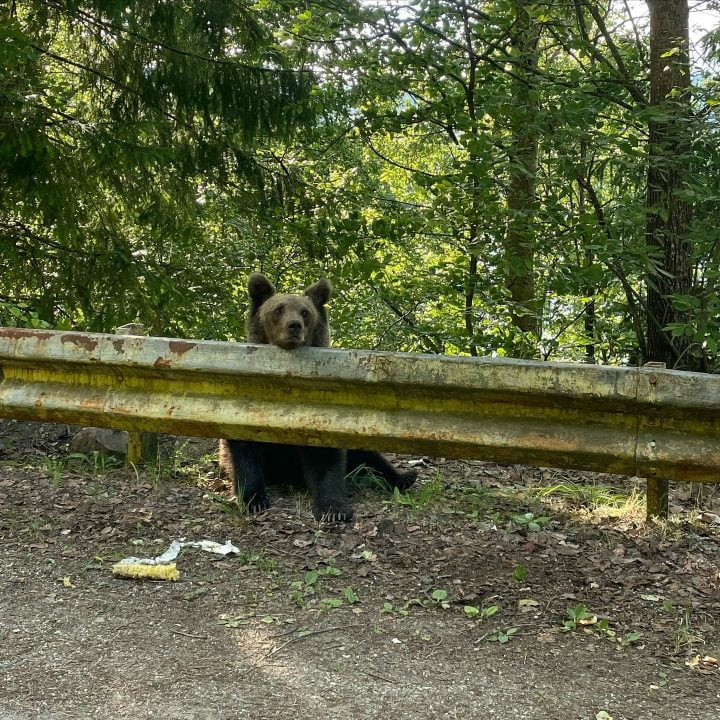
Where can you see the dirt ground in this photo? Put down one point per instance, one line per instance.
(484, 592)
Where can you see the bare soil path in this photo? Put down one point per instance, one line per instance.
(485, 592)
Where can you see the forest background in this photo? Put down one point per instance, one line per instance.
(529, 179)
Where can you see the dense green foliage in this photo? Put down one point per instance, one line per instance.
(472, 176)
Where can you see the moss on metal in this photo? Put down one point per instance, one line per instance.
(634, 421)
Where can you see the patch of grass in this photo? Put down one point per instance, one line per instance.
(257, 560)
(391, 609)
(54, 467)
(12, 463)
(301, 591)
(601, 500)
(160, 475)
(604, 630)
(179, 465)
(97, 461)
(427, 494)
(234, 507)
(306, 591)
(33, 527)
(364, 477)
(686, 637)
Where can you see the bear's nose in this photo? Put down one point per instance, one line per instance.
(295, 326)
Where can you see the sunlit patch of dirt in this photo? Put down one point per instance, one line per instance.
(485, 591)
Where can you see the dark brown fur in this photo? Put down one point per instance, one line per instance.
(293, 321)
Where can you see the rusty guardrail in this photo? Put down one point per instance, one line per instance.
(659, 424)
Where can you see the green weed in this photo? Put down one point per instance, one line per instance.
(427, 494)
(97, 461)
(54, 468)
(503, 636)
(534, 523)
(476, 613)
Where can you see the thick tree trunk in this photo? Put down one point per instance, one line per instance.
(521, 197)
(669, 216)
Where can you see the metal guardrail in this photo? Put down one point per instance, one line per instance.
(659, 424)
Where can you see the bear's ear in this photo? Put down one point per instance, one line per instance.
(259, 289)
(319, 293)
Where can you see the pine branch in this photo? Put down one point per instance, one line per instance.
(145, 40)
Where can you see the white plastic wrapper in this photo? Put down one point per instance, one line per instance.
(176, 545)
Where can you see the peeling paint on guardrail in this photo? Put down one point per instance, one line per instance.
(659, 424)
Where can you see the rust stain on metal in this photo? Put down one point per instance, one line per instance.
(179, 347)
(574, 417)
(18, 333)
(381, 366)
(82, 341)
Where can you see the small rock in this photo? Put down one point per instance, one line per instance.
(386, 527)
(93, 439)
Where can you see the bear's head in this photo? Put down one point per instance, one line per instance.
(288, 321)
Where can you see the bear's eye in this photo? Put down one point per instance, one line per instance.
(278, 311)
(304, 313)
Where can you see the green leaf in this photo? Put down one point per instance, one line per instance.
(519, 573)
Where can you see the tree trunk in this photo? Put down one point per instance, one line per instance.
(519, 251)
(669, 216)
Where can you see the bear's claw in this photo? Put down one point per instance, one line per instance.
(258, 504)
(333, 513)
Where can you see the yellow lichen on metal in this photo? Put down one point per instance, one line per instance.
(627, 420)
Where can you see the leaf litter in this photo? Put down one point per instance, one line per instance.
(406, 573)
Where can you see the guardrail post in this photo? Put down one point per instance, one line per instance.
(142, 446)
(657, 487)
(657, 497)
(662, 425)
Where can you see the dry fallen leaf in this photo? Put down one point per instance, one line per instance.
(527, 602)
(591, 620)
(709, 517)
(705, 664)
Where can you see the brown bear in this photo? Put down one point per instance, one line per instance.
(293, 321)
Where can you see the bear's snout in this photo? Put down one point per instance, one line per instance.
(293, 332)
